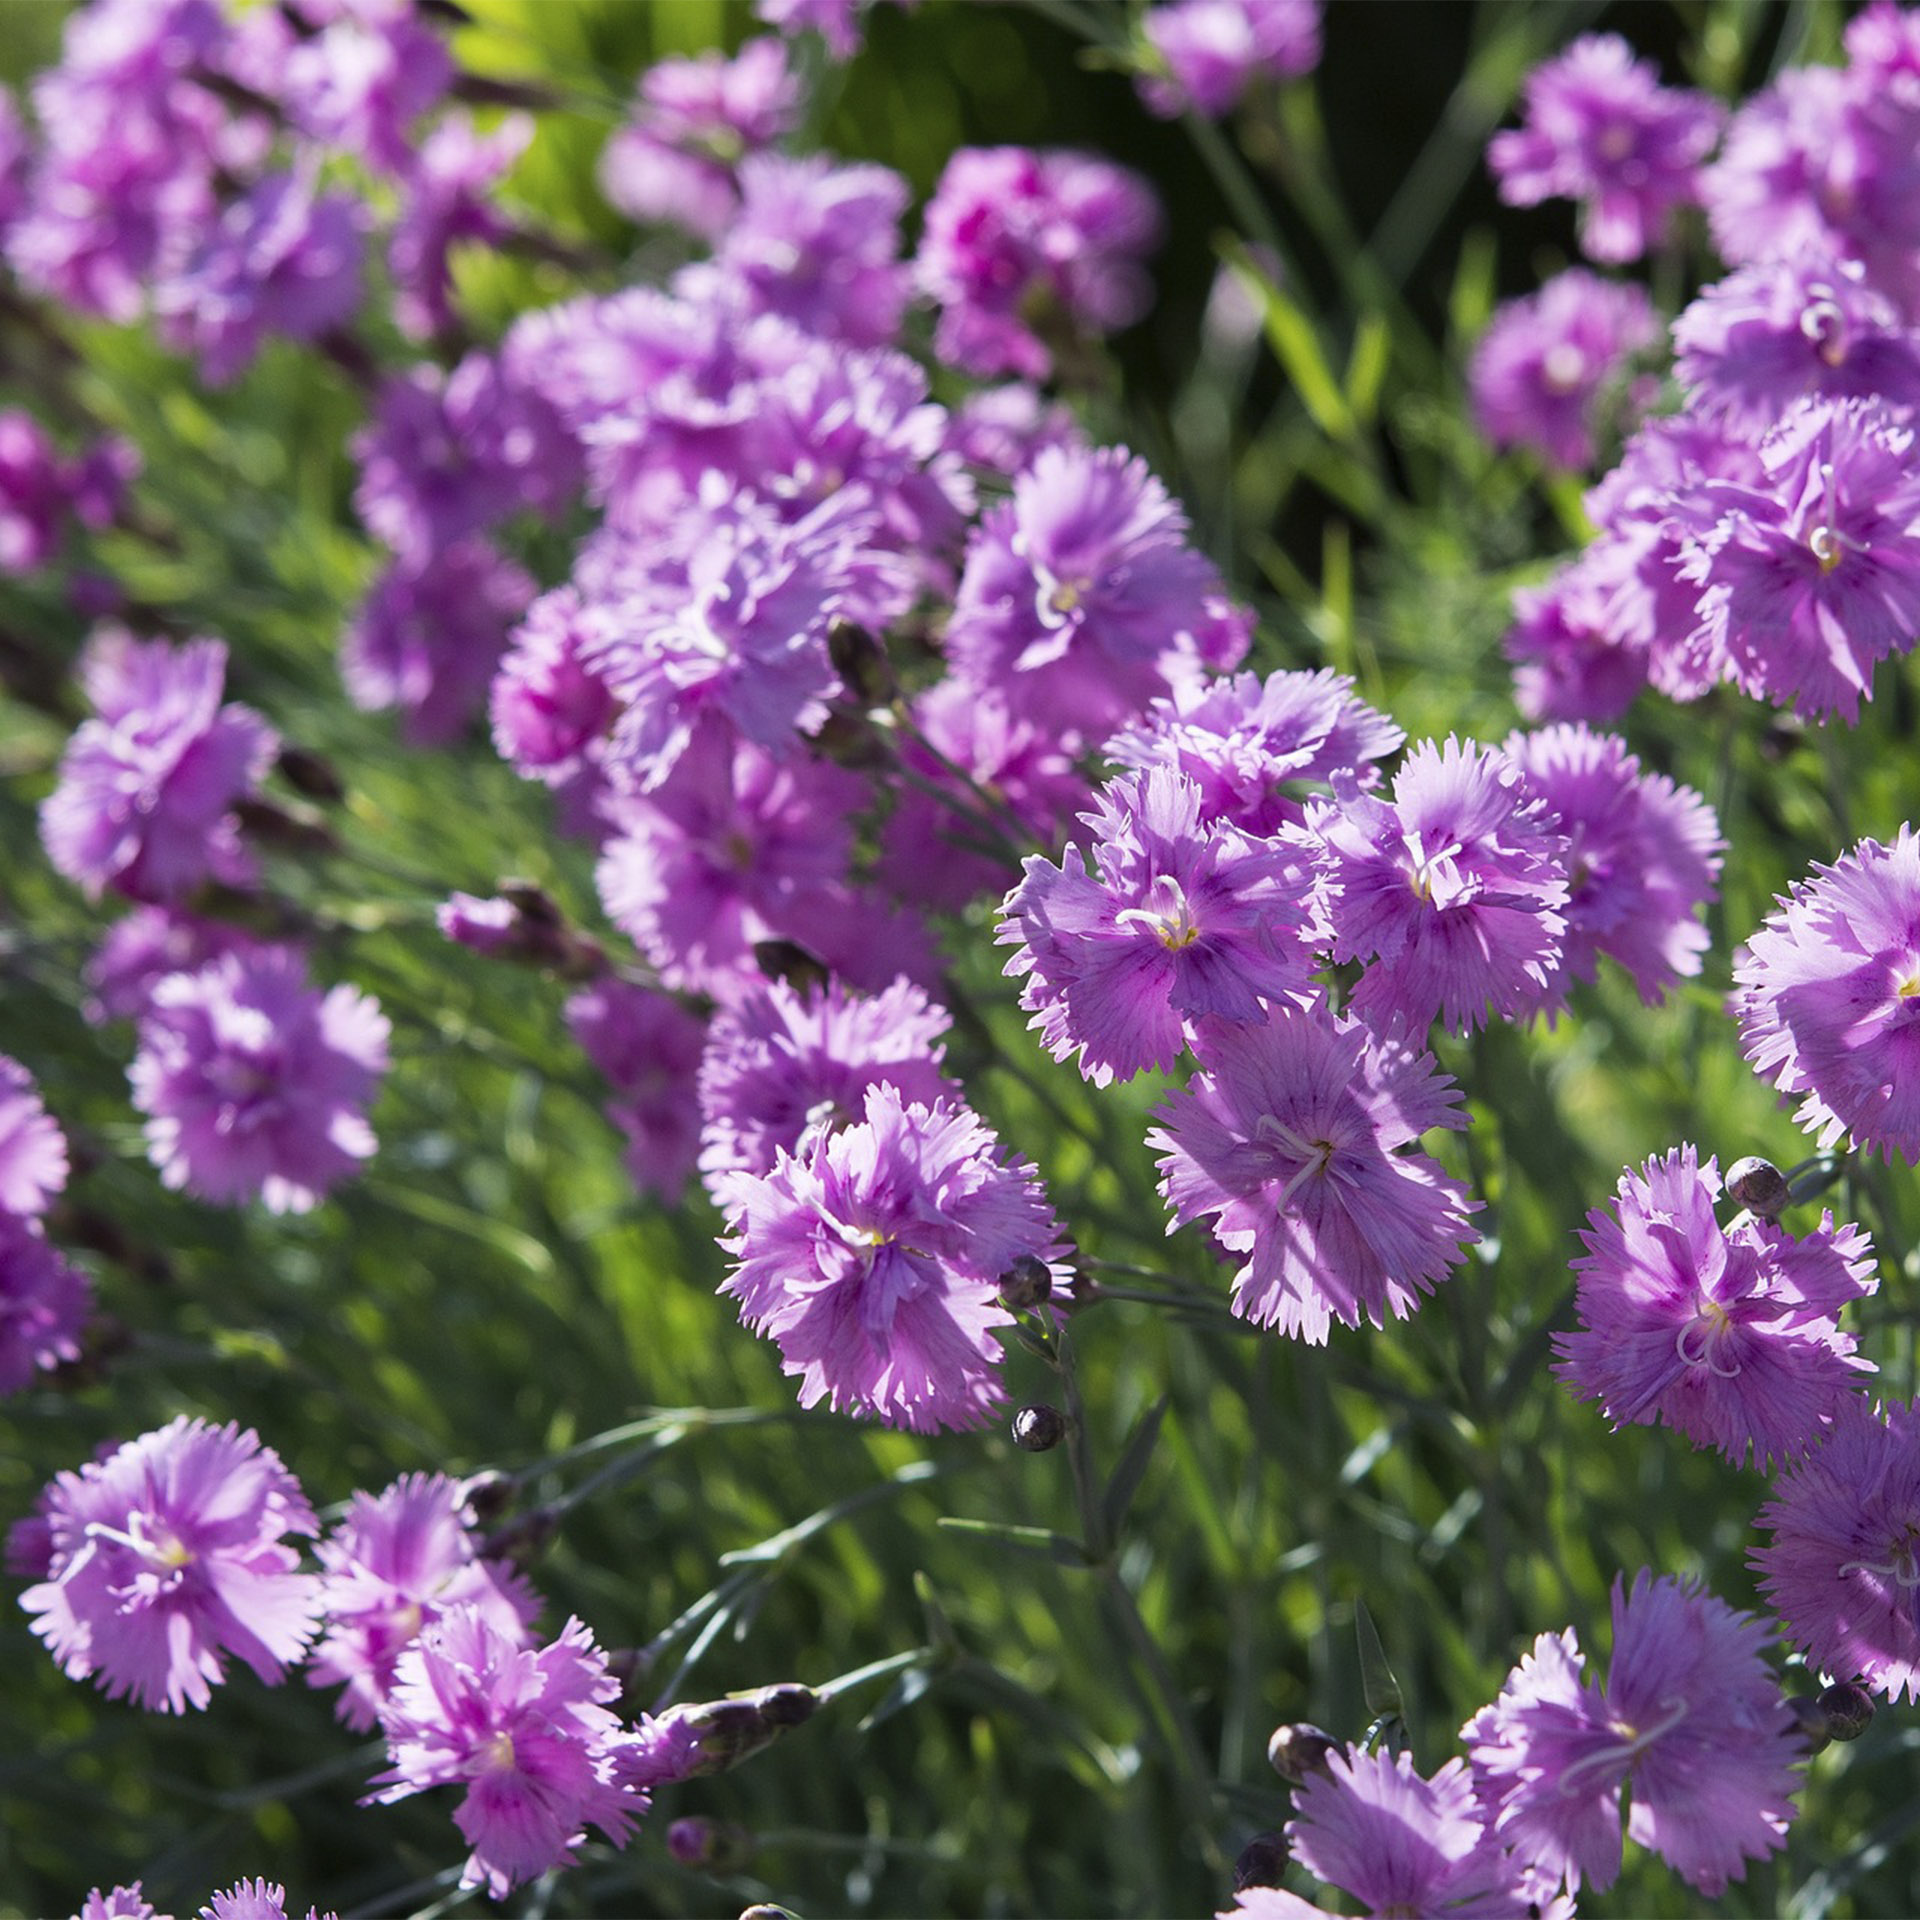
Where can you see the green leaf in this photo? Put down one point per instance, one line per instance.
(1377, 1683)
(1040, 1540)
(1132, 1466)
(1290, 334)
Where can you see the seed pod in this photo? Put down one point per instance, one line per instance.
(1038, 1428)
(1759, 1186)
(1262, 1863)
(1849, 1710)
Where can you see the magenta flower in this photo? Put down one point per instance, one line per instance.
(1840, 1564)
(526, 1731)
(1213, 50)
(1828, 998)
(1455, 890)
(254, 1084)
(1691, 1722)
(872, 1260)
(252, 1900)
(361, 82)
(1601, 129)
(445, 203)
(1290, 1140)
(121, 1903)
(548, 707)
(44, 1303)
(1547, 364)
(1178, 921)
(1730, 1334)
(1575, 657)
(147, 787)
(779, 1064)
(648, 1048)
(397, 1563)
(33, 1150)
(168, 1555)
(146, 945)
(1643, 857)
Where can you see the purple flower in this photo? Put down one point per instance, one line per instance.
(147, 787)
(647, 1048)
(361, 81)
(548, 706)
(1004, 428)
(1177, 922)
(397, 1563)
(444, 203)
(122, 1903)
(1290, 1141)
(1729, 1334)
(167, 1555)
(142, 949)
(33, 1150)
(1244, 740)
(1601, 129)
(526, 1731)
(1010, 233)
(44, 1303)
(1081, 600)
(873, 1258)
(256, 1085)
(1841, 1563)
(1546, 364)
(1643, 856)
(1456, 889)
(1214, 50)
(1691, 1721)
(840, 23)
(1828, 998)
(1574, 656)
(252, 1900)
(1811, 578)
(33, 493)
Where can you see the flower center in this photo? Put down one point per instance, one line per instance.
(1563, 368)
(1827, 547)
(1700, 1341)
(1616, 142)
(1167, 914)
(1824, 327)
(163, 1550)
(497, 1755)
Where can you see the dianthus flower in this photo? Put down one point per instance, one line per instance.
(1810, 579)
(147, 787)
(840, 23)
(1546, 363)
(252, 1900)
(169, 1554)
(526, 1731)
(43, 1305)
(1244, 740)
(647, 1047)
(1290, 1141)
(1841, 1566)
(548, 707)
(1178, 921)
(1729, 1334)
(872, 1261)
(1010, 231)
(779, 1063)
(118, 1903)
(444, 202)
(1455, 890)
(142, 948)
(1081, 599)
(256, 1085)
(35, 486)
(1691, 1721)
(1574, 657)
(361, 82)
(394, 1565)
(1643, 856)
(1213, 50)
(33, 1150)
(1828, 998)
(1601, 129)
(1004, 428)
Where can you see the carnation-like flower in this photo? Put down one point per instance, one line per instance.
(1574, 656)
(1730, 1334)
(526, 1731)
(1601, 129)
(1454, 891)
(141, 948)
(397, 1563)
(1828, 998)
(118, 1903)
(1290, 1142)
(444, 204)
(1691, 1721)
(147, 787)
(33, 1150)
(252, 1900)
(256, 1085)
(167, 1556)
(873, 1260)
(648, 1048)
(1214, 50)
(1842, 1563)
(43, 1305)
(1177, 921)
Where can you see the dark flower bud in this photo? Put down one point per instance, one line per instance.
(1262, 1863)
(765, 1910)
(1026, 1283)
(1811, 1720)
(282, 827)
(1299, 1749)
(521, 1542)
(861, 662)
(1036, 1429)
(717, 1845)
(310, 774)
(850, 739)
(486, 1495)
(1759, 1186)
(789, 961)
(787, 1705)
(1849, 1710)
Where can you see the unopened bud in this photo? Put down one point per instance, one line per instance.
(521, 1542)
(1759, 1186)
(727, 1731)
(789, 961)
(310, 774)
(717, 1845)
(1026, 1283)
(486, 1495)
(1849, 1710)
(277, 826)
(1262, 1863)
(765, 1910)
(861, 663)
(787, 1704)
(1037, 1429)
(1299, 1749)
(1811, 1720)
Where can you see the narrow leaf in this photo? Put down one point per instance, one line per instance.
(1132, 1466)
(1377, 1682)
(1040, 1540)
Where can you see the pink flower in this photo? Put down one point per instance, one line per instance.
(33, 1150)
(43, 1305)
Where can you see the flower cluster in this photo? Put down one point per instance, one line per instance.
(44, 1298)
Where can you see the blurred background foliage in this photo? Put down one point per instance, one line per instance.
(1075, 1739)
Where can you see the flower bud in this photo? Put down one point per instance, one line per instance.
(1811, 1720)
(765, 1910)
(787, 1704)
(486, 1495)
(310, 775)
(861, 662)
(1299, 1749)
(1262, 1863)
(1759, 1186)
(716, 1845)
(1849, 1710)
(788, 960)
(1036, 1429)
(1026, 1283)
